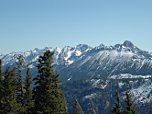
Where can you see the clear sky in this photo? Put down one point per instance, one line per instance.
(29, 24)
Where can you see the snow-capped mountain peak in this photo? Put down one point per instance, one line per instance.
(120, 58)
(128, 44)
(97, 65)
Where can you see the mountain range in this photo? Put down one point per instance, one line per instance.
(92, 74)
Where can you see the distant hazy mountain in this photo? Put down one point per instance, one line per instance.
(85, 62)
(95, 72)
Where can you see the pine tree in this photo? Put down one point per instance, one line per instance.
(0, 69)
(1, 88)
(130, 109)
(77, 108)
(48, 97)
(28, 104)
(20, 61)
(10, 105)
(117, 109)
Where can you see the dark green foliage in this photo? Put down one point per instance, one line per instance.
(0, 69)
(28, 104)
(77, 108)
(118, 108)
(1, 87)
(19, 63)
(48, 97)
(9, 103)
(130, 108)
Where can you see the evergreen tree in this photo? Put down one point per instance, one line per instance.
(130, 109)
(77, 108)
(48, 97)
(20, 61)
(0, 69)
(28, 104)
(9, 104)
(1, 88)
(118, 108)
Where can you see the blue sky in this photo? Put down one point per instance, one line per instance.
(29, 24)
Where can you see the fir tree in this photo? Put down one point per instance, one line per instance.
(10, 105)
(48, 97)
(77, 108)
(19, 63)
(0, 69)
(117, 109)
(28, 104)
(130, 109)
(1, 88)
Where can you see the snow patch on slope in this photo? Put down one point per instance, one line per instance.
(143, 93)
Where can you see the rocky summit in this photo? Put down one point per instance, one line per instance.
(93, 74)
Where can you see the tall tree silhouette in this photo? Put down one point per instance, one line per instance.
(117, 109)
(48, 96)
(28, 104)
(130, 108)
(10, 105)
(20, 61)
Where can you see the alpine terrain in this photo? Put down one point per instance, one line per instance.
(93, 74)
